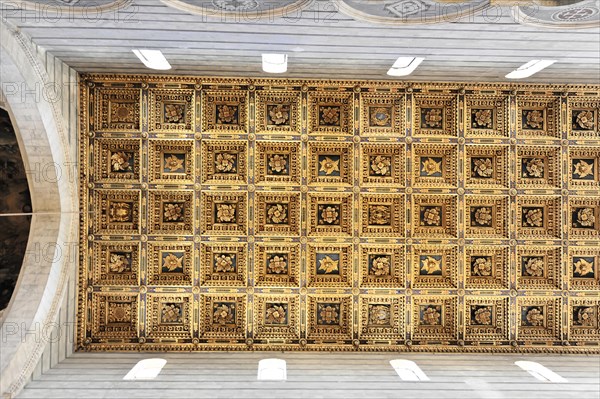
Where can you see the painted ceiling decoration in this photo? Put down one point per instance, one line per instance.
(411, 11)
(237, 214)
(251, 9)
(563, 14)
(15, 200)
(560, 14)
(551, 13)
(47, 8)
(580, 14)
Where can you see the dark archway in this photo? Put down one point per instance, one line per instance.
(15, 209)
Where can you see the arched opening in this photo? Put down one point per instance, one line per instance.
(15, 209)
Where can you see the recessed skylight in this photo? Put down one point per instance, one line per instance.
(147, 369)
(153, 59)
(274, 63)
(540, 372)
(408, 370)
(404, 66)
(272, 370)
(530, 68)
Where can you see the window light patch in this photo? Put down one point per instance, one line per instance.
(404, 66)
(147, 369)
(153, 59)
(529, 69)
(274, 63)
(540, 372)
(272, 370)
(408, 370)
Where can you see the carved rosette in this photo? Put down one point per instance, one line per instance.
(382, 114)
(330, 317)
(539, 318)
(538, 117)
(435, 115)
(435, 165)
(330, 113)
(538, 267)
(486, 267)
(538, 167)
(434, 266)
(486, 166)
(434, 318)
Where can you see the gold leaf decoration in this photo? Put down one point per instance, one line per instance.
(433, 117)
(118, 263)
(534, 217)
(279, 114)
(329, 314)
(278, 163)
(381, 164)
(277, 265)
(173, 163)
(120, 211)
(432, 216)
(586, 317)
(328, 265)
(379, 315)
(226, 114)
(225, 162)
(535, 167)
(329, 215)
(483, 167)
(225, 213)
(431, 265)
(380, 266)
(585, 119)
(275, 315)
(535, 119)
(431, 316)
(483, 216)
(583, 267)
(583, 169)
(224, 264)
(120, 161)
(330, 115)
(277, 214)
(482, 267)
(329, 165)
(171, 313)
(483, 316)
(379, 214)
(380, 117)
(173, 212)
(171, 262)
(534, 267)
(585, 217)
(431, 167)
(483, 118)
(535, 317)
(174, 113)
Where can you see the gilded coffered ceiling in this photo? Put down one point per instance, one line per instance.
(338, 215)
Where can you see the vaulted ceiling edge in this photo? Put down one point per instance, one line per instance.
(238, 214)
